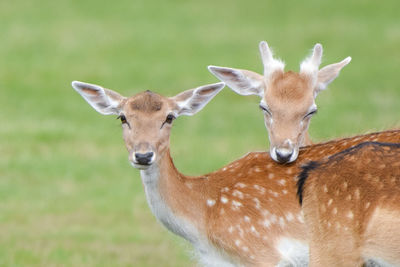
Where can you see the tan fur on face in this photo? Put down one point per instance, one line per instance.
(288, 87)
(146, 113)
(147, 102)
(289, 98)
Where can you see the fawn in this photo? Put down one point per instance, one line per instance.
(287, 98)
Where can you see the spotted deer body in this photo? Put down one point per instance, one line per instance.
(244, 214)
(287, 98)
(351, 206)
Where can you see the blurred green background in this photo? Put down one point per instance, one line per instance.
(68, 196)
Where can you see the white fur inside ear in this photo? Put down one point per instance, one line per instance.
(96, 96)
(242, 82)
(329, 73)
(198, 99)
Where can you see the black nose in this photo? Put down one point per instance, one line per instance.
(283, 157)
(144, 159)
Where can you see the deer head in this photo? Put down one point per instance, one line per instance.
(146, 117)
(287, 98)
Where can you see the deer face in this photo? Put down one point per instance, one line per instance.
(287, 98)
(288, 105)
(147, 117)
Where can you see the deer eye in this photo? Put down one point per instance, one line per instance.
(266, 110)
(169, 118)
(310, 113)
(123, 120)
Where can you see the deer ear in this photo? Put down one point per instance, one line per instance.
(327, 74)
(243, 82)
(104, 101)
(192, 101)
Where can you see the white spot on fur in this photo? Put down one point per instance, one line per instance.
(210, 202)
(247, 219)
(266, 223)
(254, 231)
(224, 200)
(344, 185)
(282, 182)
(284, 191)
(265, 213)
(350, 215)
(237, 242)
(275, 194)
(325, 188)
(271, 175)
(237, 193)
(258, 169)
(330, 202)
(240, 185)
(289, 217)
(230, 229)
(236, 205)
(357, 194)
(225, 189)
(334, 211)
(241, 232)
(257, 203)
(259, 188)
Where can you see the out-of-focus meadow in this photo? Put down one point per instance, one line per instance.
(68, 196)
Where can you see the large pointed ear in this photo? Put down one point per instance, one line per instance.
(192, 101)
(103, 100)
(329, 73)
(243, 82)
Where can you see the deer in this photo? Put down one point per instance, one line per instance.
(351, 205)
(287, 98)
(243, 214)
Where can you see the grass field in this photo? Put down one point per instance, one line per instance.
(68, 196)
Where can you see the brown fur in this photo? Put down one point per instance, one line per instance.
(243, 209)
(147, 102)
(289, 86)
(274, 186)
(351, 206)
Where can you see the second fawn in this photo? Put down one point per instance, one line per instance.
(287, 98)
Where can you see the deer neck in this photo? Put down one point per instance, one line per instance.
(174, 201)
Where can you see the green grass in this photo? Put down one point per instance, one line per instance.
(68, 196)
